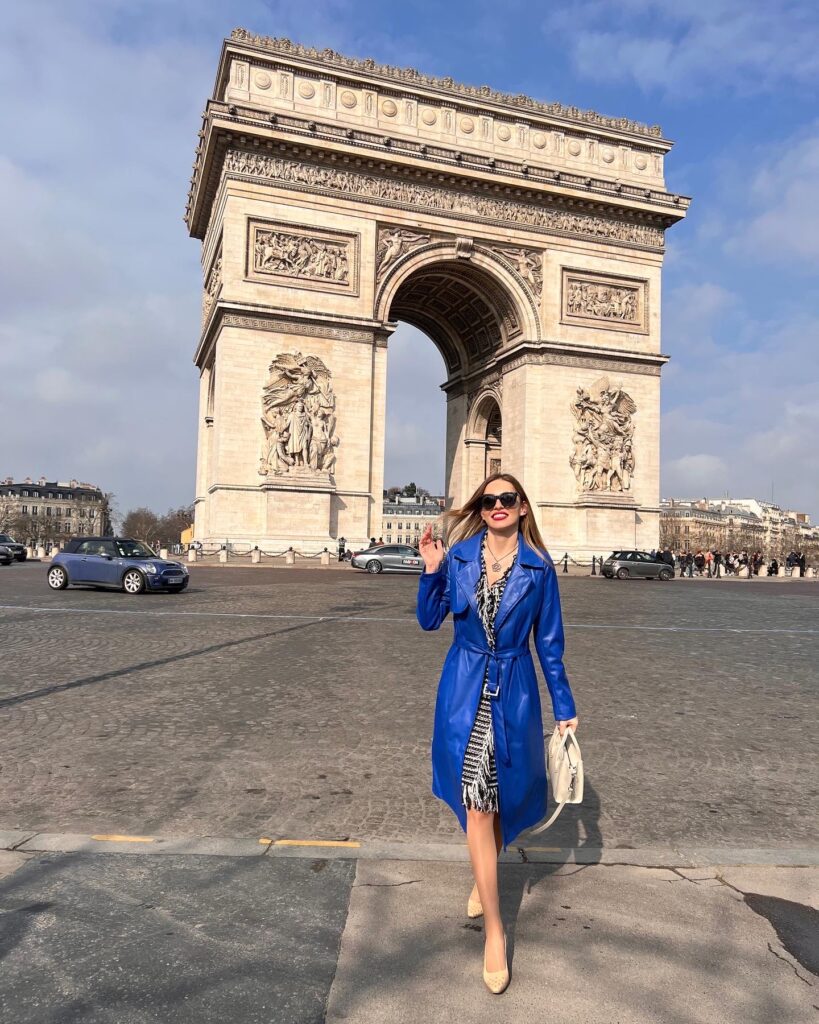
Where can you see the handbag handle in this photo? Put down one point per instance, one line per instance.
(571, 754)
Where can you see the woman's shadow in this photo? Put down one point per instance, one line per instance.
(574, 840)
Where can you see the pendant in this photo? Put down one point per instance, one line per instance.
(496, 567)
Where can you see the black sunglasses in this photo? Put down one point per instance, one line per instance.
(508, 500)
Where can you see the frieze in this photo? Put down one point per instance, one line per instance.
(282, 326)
(411, 76)
(309, 257)
(602, 300)
(607, 364)
(429, 198)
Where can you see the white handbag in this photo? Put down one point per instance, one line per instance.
(565, 772)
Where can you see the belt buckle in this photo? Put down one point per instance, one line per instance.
(490, 693)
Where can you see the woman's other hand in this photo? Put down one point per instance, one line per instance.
(432, 551)
(570, 723)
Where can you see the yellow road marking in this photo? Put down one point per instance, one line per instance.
(124, 839)
(310, 842)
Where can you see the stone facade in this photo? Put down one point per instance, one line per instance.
(334, 197)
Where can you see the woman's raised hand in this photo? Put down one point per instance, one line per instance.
(432, 551)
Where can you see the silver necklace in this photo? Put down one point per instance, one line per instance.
(497, 563)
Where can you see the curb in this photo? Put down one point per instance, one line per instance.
(671, 857)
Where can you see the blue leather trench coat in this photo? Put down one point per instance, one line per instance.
(530, 602)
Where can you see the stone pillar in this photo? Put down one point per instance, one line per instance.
(223, 555)
(325, 558)
(163, 552)
(255, 556)
(41, 552)
(796, 572)
(290, 557)
(192, 554)
(31, 552)
(720, 570)
(781, 570)
(743, 572)
(810, 572)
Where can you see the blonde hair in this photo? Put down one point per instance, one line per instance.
(462, 523)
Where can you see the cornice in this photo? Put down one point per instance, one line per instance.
(253, 125)
(287, 321)
(412, 78)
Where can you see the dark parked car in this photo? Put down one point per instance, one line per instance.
(389, 558)
(6, 555)
(638, 564)
(18, 550)
(117, 562)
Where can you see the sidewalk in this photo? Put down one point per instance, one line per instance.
(281, 935)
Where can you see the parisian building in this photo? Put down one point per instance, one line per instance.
(42, 510)
(734, 523)
(405, 517)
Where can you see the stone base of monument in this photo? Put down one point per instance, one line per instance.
(255, 556)
(325, 558)
(290, 558)
(192, 555)
(223, 555)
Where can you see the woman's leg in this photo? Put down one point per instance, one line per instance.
(481, 832)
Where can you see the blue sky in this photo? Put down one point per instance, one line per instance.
(100, 285)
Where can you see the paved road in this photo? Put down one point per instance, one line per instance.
(298, 703)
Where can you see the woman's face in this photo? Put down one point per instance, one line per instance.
(500, 519)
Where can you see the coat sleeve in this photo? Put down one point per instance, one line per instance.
(548, 628)
(432, 606)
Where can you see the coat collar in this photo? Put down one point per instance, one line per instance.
(520, 582)
(469, 550)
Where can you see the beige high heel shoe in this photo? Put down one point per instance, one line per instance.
(496, 981)
(474, 907)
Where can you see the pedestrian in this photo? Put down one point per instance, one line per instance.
(709, 561)
(372, 542)
(488, 764)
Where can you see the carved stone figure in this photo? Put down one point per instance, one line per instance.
(293, 255)
(602, 302)
(211, 288)
(528, 264)
(603, 457)
(393, 243)
(298, 416)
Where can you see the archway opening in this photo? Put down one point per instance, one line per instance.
(453, 318)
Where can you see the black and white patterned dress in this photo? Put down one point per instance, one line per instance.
(479, 779)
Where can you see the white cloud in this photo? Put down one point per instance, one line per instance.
(748, 45)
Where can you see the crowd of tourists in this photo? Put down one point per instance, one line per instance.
(713, 562)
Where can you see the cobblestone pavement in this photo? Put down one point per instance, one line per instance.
(298, 703)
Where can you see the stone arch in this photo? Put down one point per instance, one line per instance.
(480, 274)
(484, 432)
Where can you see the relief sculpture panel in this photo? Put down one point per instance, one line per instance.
(603, 439)
(310, 258)
(601, 300)
(298, 419)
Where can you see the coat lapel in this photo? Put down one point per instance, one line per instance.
(520, 580)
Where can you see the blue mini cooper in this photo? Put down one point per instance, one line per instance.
(115, 562)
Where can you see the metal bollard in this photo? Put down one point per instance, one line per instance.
(566, 562)
(594, 566)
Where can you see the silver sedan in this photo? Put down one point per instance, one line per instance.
(389, 558)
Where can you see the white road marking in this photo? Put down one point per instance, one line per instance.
(382, 618)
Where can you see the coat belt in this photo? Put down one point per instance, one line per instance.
(499, 664)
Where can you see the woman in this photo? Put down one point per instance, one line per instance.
(488, 757)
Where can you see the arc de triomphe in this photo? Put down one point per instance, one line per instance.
(335, 197)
